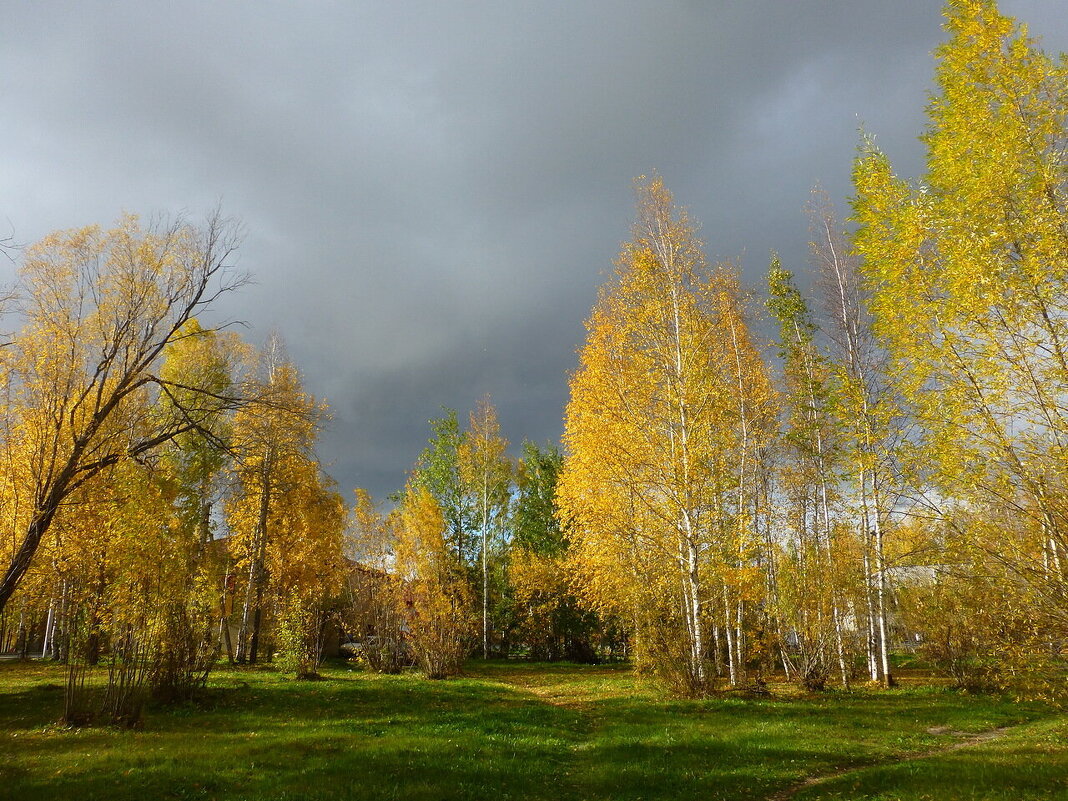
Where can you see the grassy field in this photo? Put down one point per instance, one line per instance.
(520, 731)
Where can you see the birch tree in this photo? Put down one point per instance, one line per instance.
(654, 433)
(437, 596)
(969, 269)
(871, 422)
(811, 436)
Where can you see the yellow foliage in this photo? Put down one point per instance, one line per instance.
(970, 285)
(670, 403)
(438, 600)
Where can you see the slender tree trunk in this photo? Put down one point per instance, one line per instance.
(21, 641)
(205, 523)
(250, 614)
(732, 657)
(697, 651)
(685, 594)
(843, 665)
(224, 618)
(870, 624)
(227, 640)
(771, 577)
(788, 672)
(743, 463)
(880, 570)
(61, 642)
(869, 596)
(485, 566)
(717, 650)
(257, 616)
(261, 579)
(50, 621)
(851, 315)
(696, 639)
(36, 529)
(246, 612)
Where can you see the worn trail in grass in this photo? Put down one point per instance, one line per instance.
(1028, 761)
(511, 731)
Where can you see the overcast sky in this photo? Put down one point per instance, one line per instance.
(433, 191)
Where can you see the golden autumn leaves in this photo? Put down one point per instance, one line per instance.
(669, 407)
(969, 279)
(726, 525)
(921, 429)
(125, 423)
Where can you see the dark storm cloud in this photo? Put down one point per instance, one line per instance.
(432, 192)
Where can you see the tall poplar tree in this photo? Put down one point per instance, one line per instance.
(487, 474)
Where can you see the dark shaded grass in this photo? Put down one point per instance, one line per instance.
(504, 731)
(260, 736)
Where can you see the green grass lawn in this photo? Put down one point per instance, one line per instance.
(521, 731)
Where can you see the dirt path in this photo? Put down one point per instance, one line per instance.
(968, 741)
(564, 688)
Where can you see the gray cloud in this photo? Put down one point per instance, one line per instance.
(433, 191)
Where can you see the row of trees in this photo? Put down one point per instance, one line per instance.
(472, 554)
(968, 272)
(910, 460)
(165, 506)
(897, 471)
(896, 474)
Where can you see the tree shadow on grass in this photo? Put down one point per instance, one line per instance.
(350, 738)
(31, 708)
(746, 748)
